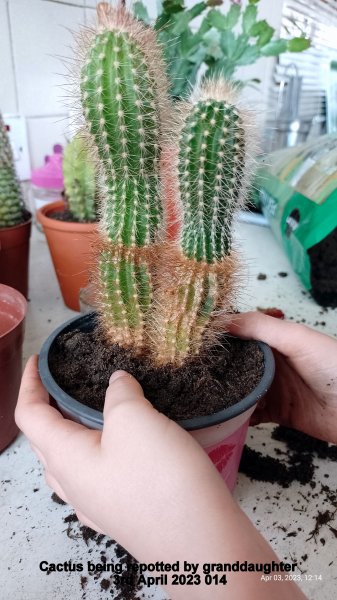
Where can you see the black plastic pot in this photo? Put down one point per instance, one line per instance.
(94, 419)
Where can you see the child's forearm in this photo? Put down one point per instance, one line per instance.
(212, 530)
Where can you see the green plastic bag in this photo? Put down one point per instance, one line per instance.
(298, 194)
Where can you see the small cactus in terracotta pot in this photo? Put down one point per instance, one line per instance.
(12, 210)
(15, 221)
(80, 181)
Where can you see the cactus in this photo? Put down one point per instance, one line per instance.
(161, 295)
(11, 201)
(197, 281)
(80, 180)
(123, 92)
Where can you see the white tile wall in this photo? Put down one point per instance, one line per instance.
(43, 133)
(41, 33)
(8, 100)
(90, 16)
(32, 36)
(34, 33)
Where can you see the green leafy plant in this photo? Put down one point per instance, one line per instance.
(80, 180)
(161, 294)
(12, 210)
(222, 42)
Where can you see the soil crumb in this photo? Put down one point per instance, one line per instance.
(295, 465)
(55, 498)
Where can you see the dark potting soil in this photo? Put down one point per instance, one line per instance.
(82, 363)
(295, 465)
(55, 498)
(26, 215)
(122, 589)
(67, 215)
(323, 259)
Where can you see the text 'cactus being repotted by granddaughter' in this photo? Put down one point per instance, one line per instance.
(15, 221)
(70, 224)
(162, 299)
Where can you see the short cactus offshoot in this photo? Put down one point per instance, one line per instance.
(197, 283)
(158, 296)
(12, 209)
(80, 180)
(123, 92)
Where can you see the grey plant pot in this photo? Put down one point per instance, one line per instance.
(94, 419)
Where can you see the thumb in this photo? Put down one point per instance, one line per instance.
(122, 388)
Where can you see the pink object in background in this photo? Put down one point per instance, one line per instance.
(50, 176)
(47, 182)
(224, 444)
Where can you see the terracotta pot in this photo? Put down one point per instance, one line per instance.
(14, 256)
(222, 435)
(13, 308)
(70, 246)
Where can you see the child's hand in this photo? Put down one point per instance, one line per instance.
(304, 392)
(140, 454)
(144, 481)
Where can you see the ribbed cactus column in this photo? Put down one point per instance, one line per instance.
(11, 201)
(80, 180)
(123, 90)
(211, 168)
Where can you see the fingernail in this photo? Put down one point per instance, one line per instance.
(116, 375)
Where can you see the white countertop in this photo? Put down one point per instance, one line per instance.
(32, 527)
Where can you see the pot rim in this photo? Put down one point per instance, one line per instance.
(47, 222)
(18, 298)
(96, 417)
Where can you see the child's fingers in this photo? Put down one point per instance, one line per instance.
(127, 411)
(33, 413)
(43, 425)
(287, 338)
(122, 388)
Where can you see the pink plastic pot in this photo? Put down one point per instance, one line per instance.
(13, 308)
(224, 444)
(222, 434)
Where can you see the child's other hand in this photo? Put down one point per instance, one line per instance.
(304, 392)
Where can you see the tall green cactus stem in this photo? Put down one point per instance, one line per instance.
(124, 93)
(80, 180)
(211, 170)
(11, 201)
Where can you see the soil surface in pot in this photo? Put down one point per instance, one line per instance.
(81, 364)
(67, 215)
